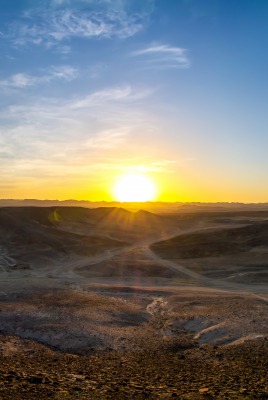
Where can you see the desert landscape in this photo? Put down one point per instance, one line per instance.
(106, 303)
(133, 200)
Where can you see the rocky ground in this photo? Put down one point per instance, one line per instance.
(135, 345)
(166, 370)
(119, 322)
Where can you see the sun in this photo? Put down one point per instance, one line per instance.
(134, 188)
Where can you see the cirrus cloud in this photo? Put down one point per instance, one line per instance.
(22, 80)
(164, 56)
(43, 27)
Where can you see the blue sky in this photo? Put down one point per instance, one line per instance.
(176, 89)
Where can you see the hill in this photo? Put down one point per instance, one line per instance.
(43, 235)
(33, 236)
(213, 243)
(239, 255)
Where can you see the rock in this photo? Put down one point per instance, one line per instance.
(203, 390)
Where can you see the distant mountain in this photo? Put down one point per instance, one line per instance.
(155, 207)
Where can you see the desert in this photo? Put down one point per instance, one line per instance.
(107, 303)
(133, 199)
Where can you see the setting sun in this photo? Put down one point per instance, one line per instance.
(134, 188)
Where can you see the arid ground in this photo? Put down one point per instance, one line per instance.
(110, 304)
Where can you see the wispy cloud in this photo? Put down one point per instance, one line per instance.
(23, 80)
(117, 94)
(19, 80)
(61, 132)
(136, 165)
(65, 72)
(108, 139)
(42, 27)
(64, 50)
(164, 56)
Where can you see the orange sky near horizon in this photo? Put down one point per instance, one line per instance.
(170, 187)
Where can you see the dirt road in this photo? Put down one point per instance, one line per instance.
(68, 269)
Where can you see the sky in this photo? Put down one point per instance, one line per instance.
(173, 89)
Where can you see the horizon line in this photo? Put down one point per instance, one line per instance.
(136, 202)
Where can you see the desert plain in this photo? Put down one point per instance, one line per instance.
(110, 303)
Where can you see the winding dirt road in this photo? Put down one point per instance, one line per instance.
(67, 269)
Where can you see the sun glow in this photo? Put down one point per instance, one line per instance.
(134, 188)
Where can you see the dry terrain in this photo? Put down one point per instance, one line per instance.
(110, 304)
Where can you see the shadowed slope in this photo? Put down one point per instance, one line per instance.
(214, 243)
(238, 255)
(32, 235)
(46, 234)
(113, 222)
